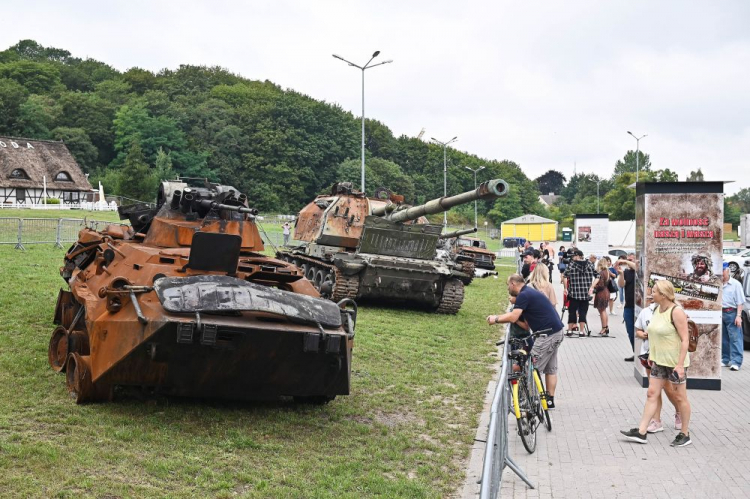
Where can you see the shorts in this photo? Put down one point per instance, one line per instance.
(544, 352)
(664, 372)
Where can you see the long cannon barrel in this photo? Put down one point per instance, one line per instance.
(457, 233)
(208, 204)
(491, 189)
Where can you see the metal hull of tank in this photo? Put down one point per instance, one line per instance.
(243, 364)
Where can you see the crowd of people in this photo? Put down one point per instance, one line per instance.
(608, 285)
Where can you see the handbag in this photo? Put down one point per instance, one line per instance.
(693, 333)
(611, 286)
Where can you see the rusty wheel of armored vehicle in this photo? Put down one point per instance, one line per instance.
(467, 267)
(78, 378)
(344, 286)
(57, 353)
(453, 297)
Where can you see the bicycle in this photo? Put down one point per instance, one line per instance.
(527, 389)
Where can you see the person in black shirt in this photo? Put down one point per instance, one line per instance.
(534, 310)
(626, 280)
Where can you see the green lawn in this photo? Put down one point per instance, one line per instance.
(418, 385)
(28, 213)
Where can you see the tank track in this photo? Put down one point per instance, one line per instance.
(467, 268)
(453, 297)
(343, 286)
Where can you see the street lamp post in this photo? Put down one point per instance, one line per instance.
(637, 152)
(445, 172)
(366, 66)
(597, 192)
(475, 188)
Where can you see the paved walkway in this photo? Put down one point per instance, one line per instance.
(597, 396)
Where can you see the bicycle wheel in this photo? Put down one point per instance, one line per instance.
(543, 413)
(527, 422)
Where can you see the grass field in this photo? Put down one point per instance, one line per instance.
(418, 385)
(27, 213)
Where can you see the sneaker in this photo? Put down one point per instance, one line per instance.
(550, 401)
(613, 313)
(724, 364)
(581, 334)
(634, 436)
(655, 427)
(734, 367)
(681, 440)
(677, 421)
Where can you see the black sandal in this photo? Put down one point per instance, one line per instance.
(604, 331)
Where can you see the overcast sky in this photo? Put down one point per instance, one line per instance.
(548, 85)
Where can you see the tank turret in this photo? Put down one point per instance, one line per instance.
(379, 248)
(182, 303)
(490, 189)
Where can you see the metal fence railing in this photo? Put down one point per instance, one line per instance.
(21, 231)
(496, 456)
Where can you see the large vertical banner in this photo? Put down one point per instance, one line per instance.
(679, 239)
(592, 234)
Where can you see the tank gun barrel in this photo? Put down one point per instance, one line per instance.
(491, 189)
(213, 205)
(457, 233)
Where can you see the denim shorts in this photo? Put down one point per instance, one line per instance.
(664, 372)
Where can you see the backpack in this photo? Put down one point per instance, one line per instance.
(693, 333)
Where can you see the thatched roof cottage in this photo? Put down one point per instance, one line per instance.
(26, 163)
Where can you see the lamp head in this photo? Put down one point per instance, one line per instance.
(375, 54)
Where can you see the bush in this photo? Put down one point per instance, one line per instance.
(51, 201)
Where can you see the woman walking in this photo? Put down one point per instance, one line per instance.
(601, 299)
(668, 339)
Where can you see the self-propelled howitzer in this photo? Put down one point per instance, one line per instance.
(380, 249)
(182, 302)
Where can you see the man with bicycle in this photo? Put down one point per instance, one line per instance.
(534, 311)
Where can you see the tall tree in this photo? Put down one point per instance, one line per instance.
(551, 181)
(628, 163)
(695, 176)
(136, 178)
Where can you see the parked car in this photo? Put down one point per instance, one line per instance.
(737, 260)
(731, 251)
(513, 242)
(616, 253)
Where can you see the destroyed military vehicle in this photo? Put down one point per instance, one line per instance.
(182, 303)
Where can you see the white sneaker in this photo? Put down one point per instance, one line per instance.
(613, 313)
(734, 367)
(724, 364)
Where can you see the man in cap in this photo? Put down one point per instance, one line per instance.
(732, 300)
(580, 280)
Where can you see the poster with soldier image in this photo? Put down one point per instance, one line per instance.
(679, 239)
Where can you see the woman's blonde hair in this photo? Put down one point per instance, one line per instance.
(665, 288)
(602, 265)
(539, 277)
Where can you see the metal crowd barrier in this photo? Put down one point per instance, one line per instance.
(21, 231)
(496, 456)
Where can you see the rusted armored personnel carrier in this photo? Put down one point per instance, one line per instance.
(183, 303)
(477, 250)
(370, 248)
(446, 251)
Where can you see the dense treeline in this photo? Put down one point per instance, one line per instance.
(130, 129)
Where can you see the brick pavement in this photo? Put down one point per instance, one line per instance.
(597, 396)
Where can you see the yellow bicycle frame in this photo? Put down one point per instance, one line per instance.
(538, 383)
(516, 404)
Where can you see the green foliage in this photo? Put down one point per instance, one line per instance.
(695, 176)
(12, 95)
(36, 77)
(551, 181)
(741, 200)
(51, 201)
(37, 116)
(378, 173)
(628, 163)
(79, 144)
(137, 181)
(732, 212)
